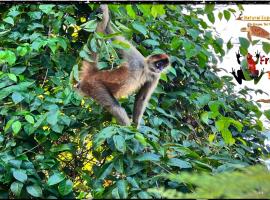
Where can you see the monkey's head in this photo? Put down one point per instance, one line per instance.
(158, 62)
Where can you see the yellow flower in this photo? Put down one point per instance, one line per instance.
(75, 34)
(82, 102)
(45, 127)
(87, 167)
(83, 19)
(41, 96)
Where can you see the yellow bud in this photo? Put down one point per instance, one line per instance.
(83, 19)
(41, 96)
(82, 102)
(75, 34)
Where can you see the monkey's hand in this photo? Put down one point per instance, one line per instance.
(233, 71)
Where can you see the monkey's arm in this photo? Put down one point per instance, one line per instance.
(142, 99)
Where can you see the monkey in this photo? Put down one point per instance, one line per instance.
(137, 73)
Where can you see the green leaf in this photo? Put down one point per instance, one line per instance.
(229, 44)
(122, 188)
(120, 45)
(17, 70)
(46, 8)
(65, 187)
(267, 114)
(145, 9)
(227, 15)
(17, 97)
(16, 188)
(220, 125)
(209, 8)
(139, 27)
(163, 76)
(141, 138)
(12, 77)
(236, 124)
(62, 147)
(119, 143)
(172, 70)
(148, 157)
(52, 45)
(211, 137)
(62, 42)
(204, 117)
(130, 11)
(10, 57)
(85, 56)
(220, 15)
(55, 178)
(211, 17)
(34, 190)
(21, 50)
(179, 163)
(9, 20)
(15, 163)
(52, 117)
(227, 136)
(16, 127)
(1, 139)
(20, 175)
(157, 10)
(144, 195)
(244, 42)
(30, 119)
(103, 135)
(89, 26)
(266, 47)
(203, 100)
(104, 171)
(151, 42)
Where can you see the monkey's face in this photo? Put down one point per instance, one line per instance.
(157, 63)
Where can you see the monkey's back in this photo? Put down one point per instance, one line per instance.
(120, 82)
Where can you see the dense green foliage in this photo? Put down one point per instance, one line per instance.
(55, 143)
(249, 183)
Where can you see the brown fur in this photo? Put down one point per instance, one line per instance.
(105, 86)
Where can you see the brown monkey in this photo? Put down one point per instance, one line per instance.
(138, 73)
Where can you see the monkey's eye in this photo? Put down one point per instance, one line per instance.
(161, 64)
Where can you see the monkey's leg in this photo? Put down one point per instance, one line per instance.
(104, 98)
(141, 101)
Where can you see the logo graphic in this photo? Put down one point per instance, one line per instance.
(247, 71)
(255, 31)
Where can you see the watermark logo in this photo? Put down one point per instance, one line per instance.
(248, 70)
